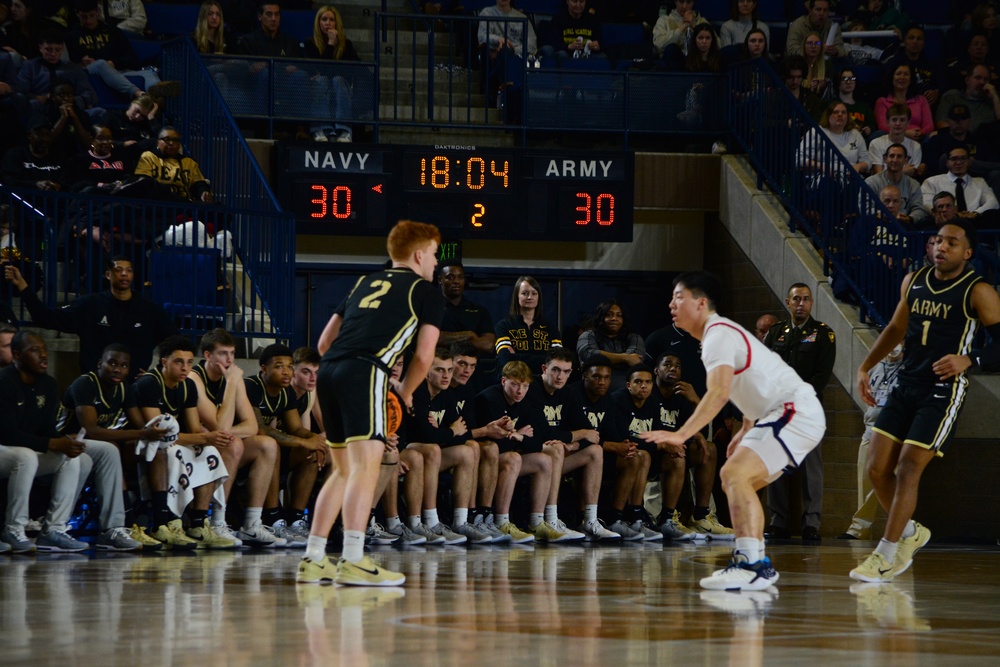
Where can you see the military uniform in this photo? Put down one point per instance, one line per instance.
(810, 350)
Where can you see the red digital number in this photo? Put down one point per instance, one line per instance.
(584, 208)
(341, 199)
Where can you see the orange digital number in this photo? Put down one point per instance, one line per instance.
(477, 217)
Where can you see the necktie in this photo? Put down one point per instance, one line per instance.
(960, 205)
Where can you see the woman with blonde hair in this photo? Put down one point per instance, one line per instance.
(210, 35)
(331, 94)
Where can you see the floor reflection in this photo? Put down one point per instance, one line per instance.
(578, 605)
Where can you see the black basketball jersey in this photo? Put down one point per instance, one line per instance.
(110, 405)
(941, 322)
(214, 390)
(272, 408)
(383, 314)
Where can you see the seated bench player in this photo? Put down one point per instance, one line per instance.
(223, 406)
(465, 356)
(523, 452)
(303, 453)
(30, 445)
(677, 402)
(434, 424)
(576, 451)
(102, 404)
(638, 411)
(169, 390)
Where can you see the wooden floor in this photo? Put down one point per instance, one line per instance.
(565, 605)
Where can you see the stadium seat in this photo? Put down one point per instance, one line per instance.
(170, 20)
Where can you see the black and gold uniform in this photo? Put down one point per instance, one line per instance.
(272, 408)
(151, 391)
(922, 410)
(214, 390)
(381, 317)
(109, 402)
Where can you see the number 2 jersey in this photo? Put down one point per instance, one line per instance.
(383, 314)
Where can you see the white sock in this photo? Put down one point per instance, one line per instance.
(413, 520)
(218, 515)
(551, 513)
(316, 548)
(887, 549)
(461, 516)
(501, 519)
(910, 530)
(252, 516)
(354, 546)
(392, 521)
(430, 518)
(589, 513)
(535, 518)
(749, 547)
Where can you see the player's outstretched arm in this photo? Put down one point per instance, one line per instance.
(719, 384)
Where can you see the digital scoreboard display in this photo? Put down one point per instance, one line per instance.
(469, 193)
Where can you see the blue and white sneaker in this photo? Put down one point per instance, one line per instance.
(741, 575)
(57, 540)
(14, 537)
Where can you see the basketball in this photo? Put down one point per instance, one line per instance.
(394, 413)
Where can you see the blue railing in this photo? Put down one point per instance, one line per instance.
(234, 269)
(865, 249)
(457, 78)
(63, 239)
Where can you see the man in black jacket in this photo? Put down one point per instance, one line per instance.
(118, 315)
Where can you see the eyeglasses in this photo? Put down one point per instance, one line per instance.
(848, 78)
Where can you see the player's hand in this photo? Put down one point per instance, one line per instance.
(432, 420)
(687, 391)
(403, 467)
(67, 445)
(697, 450)
(664, 440)
(591, 436)
(406, 399)
(321, 456)
(218, 438)
(153, 434)
(392, 442)
(458, 427)
(951, 365)
(525, 431)
(864, 388)
(13, 275)
(234, 373)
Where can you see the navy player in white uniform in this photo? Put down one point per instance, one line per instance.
(782, 421)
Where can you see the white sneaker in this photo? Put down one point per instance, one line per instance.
(597, 532)
(259, 535)
(740, 575)
(222, 530)
(320, 135)
(406, 536)
(571, 535)
(376, 534)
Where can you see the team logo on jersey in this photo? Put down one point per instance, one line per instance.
(40, 400)
(640, 425)
(553, 413)
(595, 418)
(669, 417)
